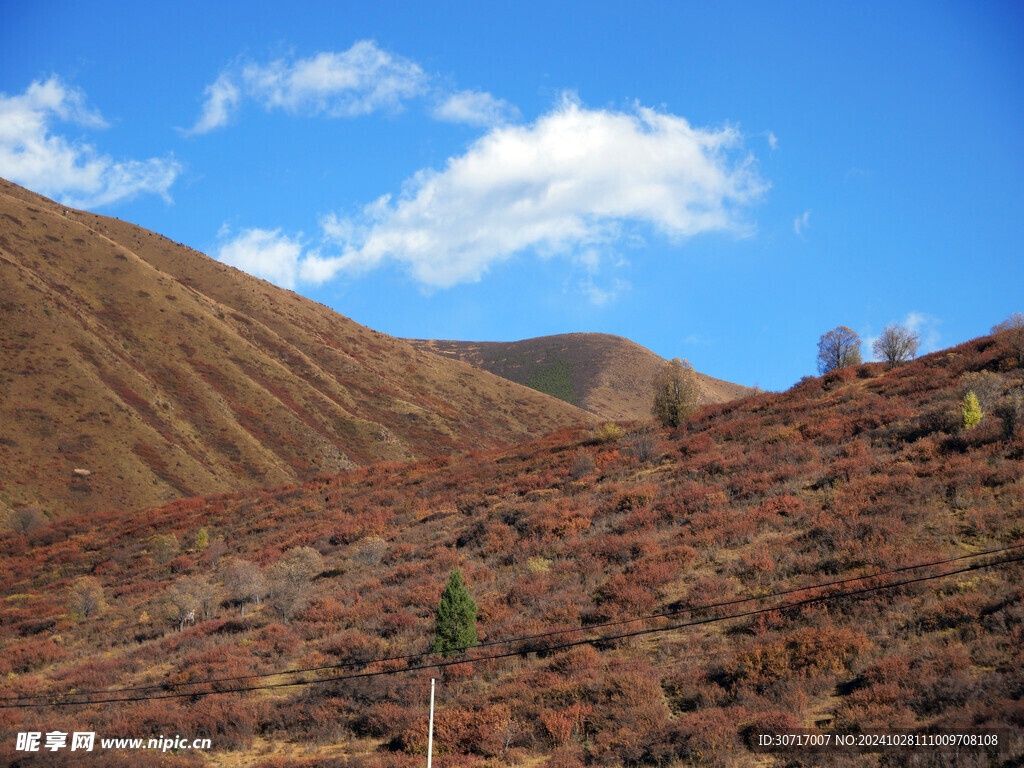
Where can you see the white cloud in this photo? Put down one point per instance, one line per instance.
(73, 172)
(773, 141)
(264, 253)
(475, 108)
(358, 81)
(571, 180)
(222, 99)
(802, 222)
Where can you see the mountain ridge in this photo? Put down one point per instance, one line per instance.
(164, 374)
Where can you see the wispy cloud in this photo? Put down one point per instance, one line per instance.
(222, 99)
(603, 296)
(573, 178)
(358, 81)
(74, 172)
(600, 287)
(475, 108)
(773, 141)
(801, 223)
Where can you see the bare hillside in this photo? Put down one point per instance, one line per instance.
(162, 373)
(607, 375)
(842, 558)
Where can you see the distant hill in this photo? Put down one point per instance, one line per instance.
(607, 375)
(163, 373)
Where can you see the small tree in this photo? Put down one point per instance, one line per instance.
(642, 446)
(970, 410)
(839, 348)
(455, 627)
(24, 520)
(1014, 322)
(164, 547)
(202, 539)
(609, 432)
(208, 596)
(85, 597)
(582, 464)
(215, 551)
(289, 580)
(986, 386)
(1013, 327)
(244, 582)
(369, 550)
(182, 601)
(1010, 410)
(676, 394)
(896, 345)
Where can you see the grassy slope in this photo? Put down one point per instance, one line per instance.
(841, 476)
(167, 374)
(607, 375)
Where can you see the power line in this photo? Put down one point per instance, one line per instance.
(546, 649)
(524, 638)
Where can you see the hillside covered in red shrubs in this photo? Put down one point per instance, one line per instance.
(844, 478)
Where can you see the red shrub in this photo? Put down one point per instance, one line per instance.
(774, 721)
(29, 655)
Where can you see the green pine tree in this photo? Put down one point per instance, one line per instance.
(971, 410)
(455, 628)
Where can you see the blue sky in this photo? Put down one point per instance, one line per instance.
(722, 182)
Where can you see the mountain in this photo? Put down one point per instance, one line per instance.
(844, 558)
(135, 370)
(607, 375)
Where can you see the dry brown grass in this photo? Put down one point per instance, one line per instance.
(168, 374)
(609, 376)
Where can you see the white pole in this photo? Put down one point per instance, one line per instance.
(430, 733)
